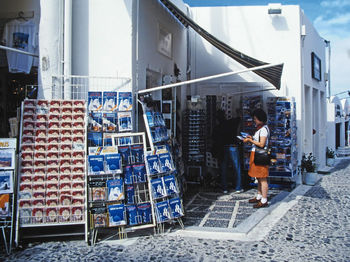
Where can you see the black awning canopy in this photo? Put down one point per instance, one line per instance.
(271, 74)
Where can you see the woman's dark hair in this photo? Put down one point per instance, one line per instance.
(260, 115)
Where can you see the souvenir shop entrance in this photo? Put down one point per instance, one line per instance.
(199, 118)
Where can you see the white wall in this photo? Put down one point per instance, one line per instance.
(272, 39)
(317, 142)
(49, 46)
(251, 30)
(152, 15)
(102, 38)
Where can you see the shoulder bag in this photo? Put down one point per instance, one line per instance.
(262, 156)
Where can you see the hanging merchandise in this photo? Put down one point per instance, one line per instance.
(22, 35)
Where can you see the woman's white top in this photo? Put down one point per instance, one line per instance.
(262, 132)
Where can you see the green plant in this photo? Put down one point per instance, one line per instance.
(330, 153)
(308, 163)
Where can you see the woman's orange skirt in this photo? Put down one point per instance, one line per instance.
(257, 171)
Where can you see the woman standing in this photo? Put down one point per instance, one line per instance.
(260, 139)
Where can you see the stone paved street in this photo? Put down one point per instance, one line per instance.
(316, 228)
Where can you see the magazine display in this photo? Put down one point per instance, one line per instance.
(163, 211)
(52, 161)
(116, 214)
(176, 207)
(115, 189)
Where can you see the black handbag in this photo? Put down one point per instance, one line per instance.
(262, 156)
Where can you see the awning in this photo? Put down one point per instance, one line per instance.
(271, 74)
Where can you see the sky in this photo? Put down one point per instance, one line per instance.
(331, 18)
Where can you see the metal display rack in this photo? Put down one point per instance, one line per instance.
(7, 190)
(194, 143)
(51, 171)
(162, 196)
(282, 123)
(135, 199)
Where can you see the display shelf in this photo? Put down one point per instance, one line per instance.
(53, 224)
(51, 170)
(8, 180)
(133, 199)
(282, 123)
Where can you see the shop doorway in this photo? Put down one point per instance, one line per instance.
(337, 135)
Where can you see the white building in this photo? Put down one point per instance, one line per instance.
(337, 123)
(142, 41)
(288, 37)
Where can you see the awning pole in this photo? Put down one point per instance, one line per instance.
(17, 50)
(206, 78)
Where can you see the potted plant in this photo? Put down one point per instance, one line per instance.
(330, 157)
(308, 169)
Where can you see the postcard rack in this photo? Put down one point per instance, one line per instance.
(7, 180)
(118, 186)
(51, 171)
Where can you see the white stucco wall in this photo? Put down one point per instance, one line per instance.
(152, 16)
(49, 46)
(102, 38)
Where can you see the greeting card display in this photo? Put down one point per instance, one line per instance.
(99, 216)
(6, 183)
(153, 164)
(124, 101)
(113, 163)
(110, 122)
(96, 164)
(137, 153)
(163, 211)
(165, 162)
(145, 212)
(130, 194)
(132, 215)
(4, 205)
(94, 101)
(124, 121)
(110, 101)
(170, 185)
(52, 177)
(116, 215)
(176, 207)
(139, 173)
(158, 188)
(95, 139)
(115, 189)
(95, 122)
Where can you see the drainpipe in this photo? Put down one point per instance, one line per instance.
(328, 44)
(67, 50)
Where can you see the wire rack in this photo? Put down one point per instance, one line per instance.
(77, 87)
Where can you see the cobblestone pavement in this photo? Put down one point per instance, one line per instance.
(317, 228)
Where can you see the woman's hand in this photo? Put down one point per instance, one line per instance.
(248, 139)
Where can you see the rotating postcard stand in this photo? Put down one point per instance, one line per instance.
(119, 188)
(164, 190)
(7, 199)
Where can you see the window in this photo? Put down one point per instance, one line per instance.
(315, 66)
